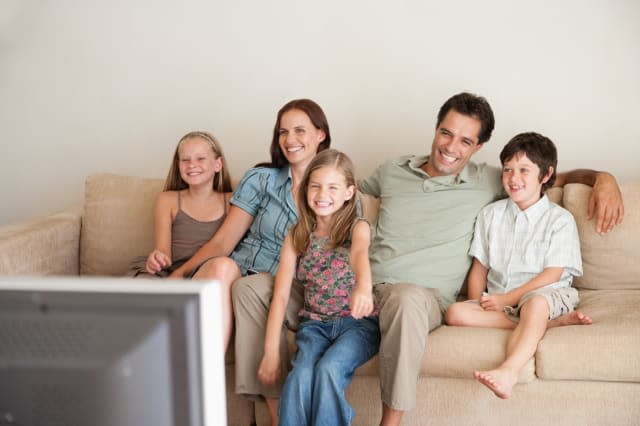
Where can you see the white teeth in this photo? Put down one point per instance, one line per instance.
(294, 149)
(448, 157)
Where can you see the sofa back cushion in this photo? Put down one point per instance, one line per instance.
(609, 261)
(117, 223)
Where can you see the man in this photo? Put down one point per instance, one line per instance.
(428, 206)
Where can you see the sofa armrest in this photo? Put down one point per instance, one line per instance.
(44, 246)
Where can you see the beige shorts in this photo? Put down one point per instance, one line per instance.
(561, 301)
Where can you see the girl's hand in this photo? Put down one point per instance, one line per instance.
(361, 303)
(157, 261)
(494, 302)
(269, 369)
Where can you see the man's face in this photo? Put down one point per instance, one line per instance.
(455, 141)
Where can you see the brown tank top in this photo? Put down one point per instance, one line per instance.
(189, 234)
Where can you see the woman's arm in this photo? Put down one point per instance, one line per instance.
(269, 369)
(223, 241)
(361, 301)
(476, 280)
(605, 202)
(160, 257)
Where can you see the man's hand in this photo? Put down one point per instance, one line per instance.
(605, 203)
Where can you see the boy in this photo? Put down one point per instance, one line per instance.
(525, 252)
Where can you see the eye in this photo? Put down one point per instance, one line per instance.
(314, 186)
(506, 170)
(467, 142)
(282, 132)
(300, 130)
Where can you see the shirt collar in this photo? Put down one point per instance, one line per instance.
(468, 173)
(284, 176)
(535, 211)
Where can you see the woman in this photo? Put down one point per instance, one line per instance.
(263, 207)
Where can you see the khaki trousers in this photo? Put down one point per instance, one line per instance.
(251, 297)
(408, 312)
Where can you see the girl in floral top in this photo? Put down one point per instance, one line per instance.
(328, 251)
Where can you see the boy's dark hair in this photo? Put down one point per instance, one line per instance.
(539, 149)
(473, 106)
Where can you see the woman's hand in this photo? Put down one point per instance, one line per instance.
(157, 261)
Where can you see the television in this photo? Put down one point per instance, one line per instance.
(110, 352)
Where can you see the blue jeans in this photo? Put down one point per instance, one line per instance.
(328, 354)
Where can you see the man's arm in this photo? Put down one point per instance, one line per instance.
(605, 202)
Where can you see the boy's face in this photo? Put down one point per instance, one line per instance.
(521, 180)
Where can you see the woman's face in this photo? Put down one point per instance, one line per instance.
(298, 137)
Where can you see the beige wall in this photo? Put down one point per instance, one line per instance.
(92, 86)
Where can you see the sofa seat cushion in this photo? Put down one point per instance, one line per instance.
(117, 224)
(455, 352)
(606, 350)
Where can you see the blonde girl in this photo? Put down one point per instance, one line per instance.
(327, 252)
(189, 210)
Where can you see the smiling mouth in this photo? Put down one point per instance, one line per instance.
(448, 158)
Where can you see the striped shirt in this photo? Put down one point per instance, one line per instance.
(518, 245)
(265, 194)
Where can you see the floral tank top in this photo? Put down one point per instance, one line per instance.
(328, 280)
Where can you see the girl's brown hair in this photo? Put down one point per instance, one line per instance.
(342, 220)
(221, 180)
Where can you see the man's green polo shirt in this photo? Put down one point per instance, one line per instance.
(425, 224)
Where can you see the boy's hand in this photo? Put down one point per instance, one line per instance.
(494, 302)
(269, 369)
(361, 303)
(157, 261)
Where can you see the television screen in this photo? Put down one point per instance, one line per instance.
(110, 351)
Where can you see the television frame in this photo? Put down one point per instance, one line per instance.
(175, 325)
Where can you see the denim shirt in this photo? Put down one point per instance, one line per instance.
(265, 194)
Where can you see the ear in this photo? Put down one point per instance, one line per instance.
(546, 177)
(478, 147)
(217, 164)
(321, 135)
(351, 190)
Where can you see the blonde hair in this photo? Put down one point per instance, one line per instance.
(342, 220)
(221, 180)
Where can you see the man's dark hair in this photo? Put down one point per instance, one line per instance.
(539, 149)
(473, 106)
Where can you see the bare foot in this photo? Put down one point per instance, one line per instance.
(500, 381)
(572, 318)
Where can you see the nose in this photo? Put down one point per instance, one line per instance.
(450, 143)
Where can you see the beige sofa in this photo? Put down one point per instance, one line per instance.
(580, 375)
